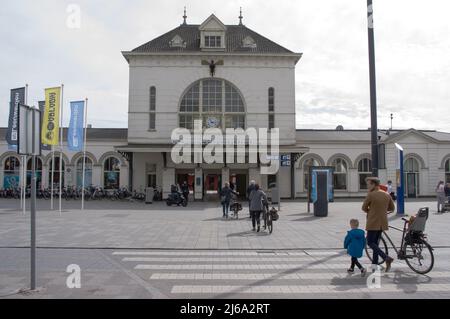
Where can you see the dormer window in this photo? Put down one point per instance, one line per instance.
(177, 42)
(213, 41)
(248, 42)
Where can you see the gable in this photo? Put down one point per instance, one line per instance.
(411, 136)
(212, 24)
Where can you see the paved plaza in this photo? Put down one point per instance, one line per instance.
(133, 250)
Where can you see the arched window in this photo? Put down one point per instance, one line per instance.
(364, 171)
(38, 172)
(340, 174)
(111, 173)
(11, 172)
(447, 171)
(87, 171)
(56, 172)
(306, 166)
(271, 108)
(152, 109)
(217, 103)
(411, 168)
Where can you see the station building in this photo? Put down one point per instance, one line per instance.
(228, 76)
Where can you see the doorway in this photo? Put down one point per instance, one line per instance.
(239, 183)
(411, 185)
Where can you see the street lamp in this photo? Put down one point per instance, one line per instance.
(373, 90)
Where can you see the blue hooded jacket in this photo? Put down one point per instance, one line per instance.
(354, 242)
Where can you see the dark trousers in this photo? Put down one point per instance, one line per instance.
(255, 214)
(356, 263)
(225, 208)
(373, 239)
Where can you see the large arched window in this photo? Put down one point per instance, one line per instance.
(11, 172)
(340, 174)
(216, 102)
(306, 166)
(55, 172)
(447, 171)
(111, 173)
(87, 171)
(364, 171)
(38, 172)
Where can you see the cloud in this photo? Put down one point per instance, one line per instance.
(412, 49)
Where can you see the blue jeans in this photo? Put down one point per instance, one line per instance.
(225, 208)
(373, 239)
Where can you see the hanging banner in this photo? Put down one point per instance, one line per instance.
(75, 136)
(17, 96)
(50, 124)
(44, 147)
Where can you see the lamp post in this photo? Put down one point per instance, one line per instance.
(373, 90)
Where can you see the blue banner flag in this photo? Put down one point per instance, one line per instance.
(75, 136)
(17, 96)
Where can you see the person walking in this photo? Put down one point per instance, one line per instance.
(185, 190)
(377, 205)
(440, 194)
(250, 189)
(257, 201)
(355, 242)
(225, 198)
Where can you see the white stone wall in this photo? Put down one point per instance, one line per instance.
(172, 75)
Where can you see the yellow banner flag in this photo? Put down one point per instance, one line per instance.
(50, 123)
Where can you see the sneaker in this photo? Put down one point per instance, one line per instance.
(389, 261)
(363, 272)
(350, 270)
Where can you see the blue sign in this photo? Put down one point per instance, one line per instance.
(285, 160)
(75, 136)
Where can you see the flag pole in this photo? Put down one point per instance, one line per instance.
(24, 171)
(61, 146)
(52, 177)
(84, 152)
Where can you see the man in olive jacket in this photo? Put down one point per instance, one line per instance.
(377, 205)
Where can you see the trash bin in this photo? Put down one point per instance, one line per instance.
(149, 193)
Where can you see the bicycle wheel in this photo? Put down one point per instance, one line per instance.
(383, 246)
(269, 222)
(419, 256)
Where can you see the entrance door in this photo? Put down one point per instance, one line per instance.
(239, 182)
(411, 185)
(212, 183)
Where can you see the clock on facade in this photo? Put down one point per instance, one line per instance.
(212, 122)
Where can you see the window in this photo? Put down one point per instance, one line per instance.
(152, 110)
(38, 172)
(340, 174)
(306, 166)
(111, 173)
(55, 172)
(213, 41)
(271, 103)
(447, 171)
(271, 99)
(364, 171)
(271, 121)
(411, 165)
(11, 173)
(216, 102)
(87, 171)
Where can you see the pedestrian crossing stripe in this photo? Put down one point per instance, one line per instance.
(305, 266)
(305, 289)
(213, 253)
(226, 259)
(278, 276)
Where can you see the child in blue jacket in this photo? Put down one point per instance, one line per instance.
(354, 242)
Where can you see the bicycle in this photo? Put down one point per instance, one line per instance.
(269, 216)
(414, 247)
(235, 206)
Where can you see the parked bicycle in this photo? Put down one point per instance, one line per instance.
(414, 247)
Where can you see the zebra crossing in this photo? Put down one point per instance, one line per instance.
(278, 274)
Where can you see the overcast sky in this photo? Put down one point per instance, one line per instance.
(332, 86)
